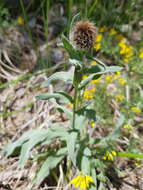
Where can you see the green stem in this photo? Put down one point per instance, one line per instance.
(77, 77)
(75, 105)
(85, 14)
(92, 8)
(70, 7)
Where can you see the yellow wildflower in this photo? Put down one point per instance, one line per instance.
(92, 123)
(96, 81)
(20, 20)
(102, 29)
(128, 127)
(119, 98)
(93, 63)
(99, 38)
(119, 37)
(125, 50)
(122, 81)
(136, 110)
(93, 90)
(141, 54)
(97, 46)
(87, 95)
(82, 181)
(117, 75)
(84, 77)
(138, 163)
(110, 156)
(122, 43)
(112, 31)
(108, 78)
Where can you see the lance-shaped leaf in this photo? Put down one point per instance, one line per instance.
(73, 53)
(64, 76)
(57, 95)
(93, 69)
(50, 163)
(98, 74)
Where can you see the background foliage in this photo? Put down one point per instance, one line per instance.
(34, 57)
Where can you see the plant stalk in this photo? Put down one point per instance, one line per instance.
(77, 76)
(75, 106)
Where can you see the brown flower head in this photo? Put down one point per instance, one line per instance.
(83, 34)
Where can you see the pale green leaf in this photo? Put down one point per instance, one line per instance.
(25, 137)
(50, 163)
(57, 95)
(98, 74)
(64, 76)
(71, 143)
(85, 161)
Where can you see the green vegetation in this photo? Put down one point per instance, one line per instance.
(71, 99)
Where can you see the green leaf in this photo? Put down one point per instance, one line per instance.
(129, 155)
(97, 75)
(64, 76)
(71, 143)
(73, 53)
(113, 69)
(68, 46)
(25, 137)
(59, 130)
(85, 161)
(93, 69)
(66, 96)
(76, 63)
(102, 177)
(46, 96)
(56, 95)
(38, 137)
(80, 122)
(90, 114)
(94, 176)
(35, 137)
(65, 110)
(50, 163)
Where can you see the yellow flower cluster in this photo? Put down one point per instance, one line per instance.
(138, 163)
(117, 76)
(92, 123)
(119, 98)
(110, 156)
(89, 94)
(96, 81)
(122, 81)
(136, 110)
(82, 181)
(128, 127)
(119, 37)
(93, 63)
(141, 54)
(108, 78)
(84, 77)
(103, 29)
(112, 32)
(98, 40)
(20, 20)
(126, 50)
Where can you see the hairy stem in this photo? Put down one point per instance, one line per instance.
(75, 104)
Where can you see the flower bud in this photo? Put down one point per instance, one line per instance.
(82, 35)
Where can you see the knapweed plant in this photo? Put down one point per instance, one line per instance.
(83, 154)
